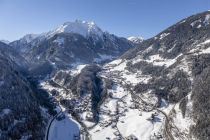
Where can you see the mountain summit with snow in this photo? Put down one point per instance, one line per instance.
(83, 28)
(135, 39)
(71, 42)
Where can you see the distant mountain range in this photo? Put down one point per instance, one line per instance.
(5, 41)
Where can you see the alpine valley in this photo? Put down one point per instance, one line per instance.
(78, 82)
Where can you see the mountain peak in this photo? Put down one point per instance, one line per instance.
(83, 28)
(135, 39)
(5, 41)
(29, 37)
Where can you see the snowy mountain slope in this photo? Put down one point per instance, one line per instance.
(14, 56)
(20, 115)
(171, 61)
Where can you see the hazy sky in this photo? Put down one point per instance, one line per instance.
(122, 17)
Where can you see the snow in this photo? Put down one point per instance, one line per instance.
(169, 50)
(119, 67)
(207, 19)
(205, 51)
(29, 37)
(83, 28)
(206, 42)
(199, 26)
(135, 78)
(5, 112)
(139, 125)
(108, 113)
(195, 22)
(77, 69)
(98, 134)
(1, 83)
(133, 121)
(62, 92)
(103, 57)
(205, 22)
(134, 39)
(164, 103)
(184, 65)
(149, 49)
(159, 61)
(183, 21)
(199, 49)
(163, 35)
(59, 40)
(64, 129)
(183, 123)
(115, 62)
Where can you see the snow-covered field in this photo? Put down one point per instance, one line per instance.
(119, 118)
(122, 114)
(66, 129)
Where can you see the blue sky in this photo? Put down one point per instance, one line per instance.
(121, 17)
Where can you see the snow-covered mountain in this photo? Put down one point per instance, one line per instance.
(23, 43)
(135, 39)
(5, 41)
(69, 44)
(86, 29)
(83, 28)
(157, 90)
(164, 73)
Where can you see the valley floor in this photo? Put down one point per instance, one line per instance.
(64, 129)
